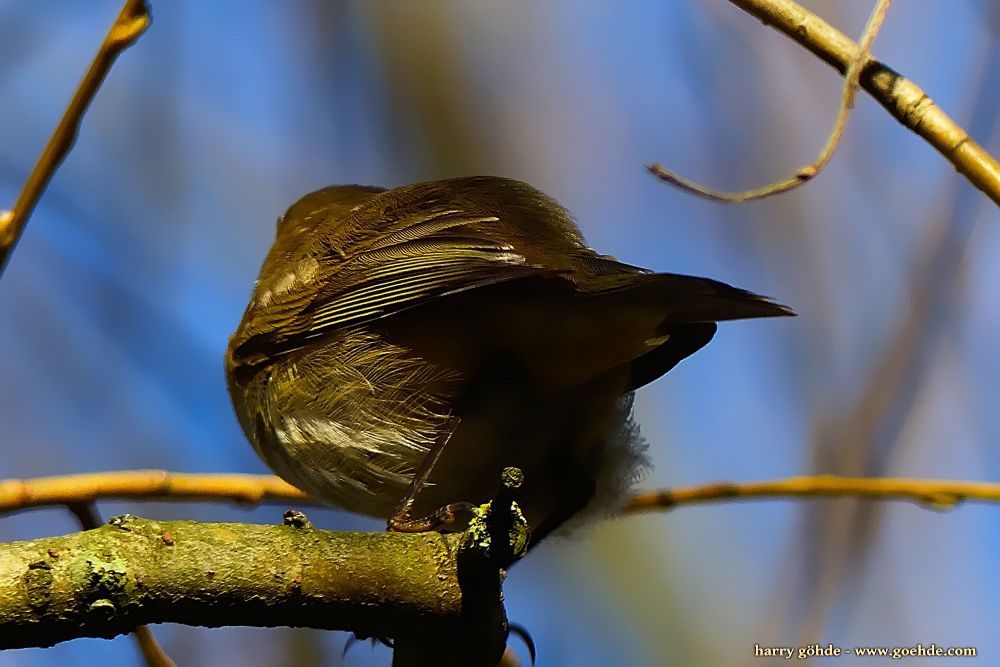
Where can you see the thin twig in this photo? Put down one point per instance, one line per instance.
(87, 515)
(932, 493)
(152, 652)
(902, 98)
(130, 23)
(67, 490)
(810, 171)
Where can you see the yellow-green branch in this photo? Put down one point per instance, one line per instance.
(132, 571)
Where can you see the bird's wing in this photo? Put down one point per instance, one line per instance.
(441, 254)
(417, 255)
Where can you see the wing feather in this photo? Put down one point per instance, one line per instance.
(415, 258)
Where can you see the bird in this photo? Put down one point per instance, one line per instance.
(403, 346)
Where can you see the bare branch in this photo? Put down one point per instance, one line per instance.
(18, 494)
(906, 101)
(810, 171)
(932, 493)
(128, 26)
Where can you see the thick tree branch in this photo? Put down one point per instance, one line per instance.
(104, 582)
(438, 596)
(901, 97)
(152, 652)
(131, 22)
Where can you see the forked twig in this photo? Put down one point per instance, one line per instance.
(811, 170)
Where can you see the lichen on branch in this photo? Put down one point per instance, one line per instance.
(132, 571)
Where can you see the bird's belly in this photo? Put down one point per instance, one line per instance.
(359, 452)
(575, 451)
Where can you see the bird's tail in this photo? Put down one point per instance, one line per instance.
(650, 322)
(692, 300)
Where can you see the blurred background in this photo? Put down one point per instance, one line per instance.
(140, 258)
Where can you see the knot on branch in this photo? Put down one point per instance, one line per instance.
(297, 519)
(122, 522)
(498, 531)
(496, 537)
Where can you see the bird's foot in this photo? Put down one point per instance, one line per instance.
(444, 517)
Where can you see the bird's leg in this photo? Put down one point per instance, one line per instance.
(440, 518)
(401, 520)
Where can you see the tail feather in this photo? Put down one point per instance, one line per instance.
(675, 314)
(692, 300)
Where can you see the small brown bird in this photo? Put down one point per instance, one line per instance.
(403, 346)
